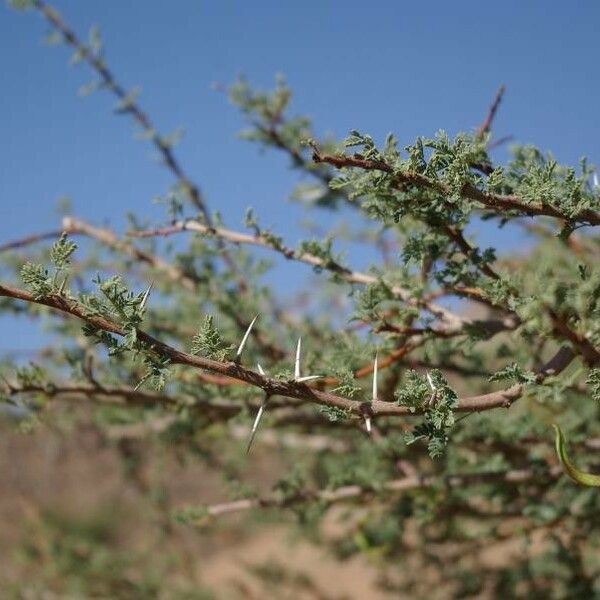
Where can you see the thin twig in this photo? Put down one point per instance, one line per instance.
(30, 239)
(128, 105)
(486, 126)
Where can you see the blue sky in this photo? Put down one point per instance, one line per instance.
(411, 68)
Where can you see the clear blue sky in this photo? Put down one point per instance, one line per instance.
(407, 67)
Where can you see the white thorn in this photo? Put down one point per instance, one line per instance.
(368, 424)
(63, 285)
(430, 381)
(375, 367)
(596, 182)
(260, 369)
(245, 338)
(259, 415)
(145, 297)
(308, 378)
(297, 362)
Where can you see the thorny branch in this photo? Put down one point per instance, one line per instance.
(290, 389)
(409, 331)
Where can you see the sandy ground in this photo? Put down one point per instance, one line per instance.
(80, 477)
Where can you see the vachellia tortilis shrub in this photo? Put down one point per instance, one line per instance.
(426, 412)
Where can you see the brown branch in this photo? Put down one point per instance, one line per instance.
(455, 322)
(503, 140)
(353, 492)
(110, 239)
(485, 127)
(139, 397)
(107, 237)
(508, 396)
(456, 235)
(118, 394)
(297, 158)
(583, 346)
(347, 274)
(429, 331)
(496, 202)
(30, 239)
(587, 350)
(452, 319)
(124, 395)
(273, 387)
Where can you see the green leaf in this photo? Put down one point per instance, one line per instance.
(61, 252)
(515, 373)
(208, 341)
(581, 477)
(37, 279)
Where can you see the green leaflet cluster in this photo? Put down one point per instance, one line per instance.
(433, 395)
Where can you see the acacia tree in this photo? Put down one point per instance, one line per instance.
(430, 424)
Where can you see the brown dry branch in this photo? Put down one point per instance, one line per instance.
(126, 395)
(404, 331)
(298, 159)
(353, 492)
(108, 238)
(453, 321)
(456, 235)
(289, 389)
(450, 318)
(583, 346)
(116, 394)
